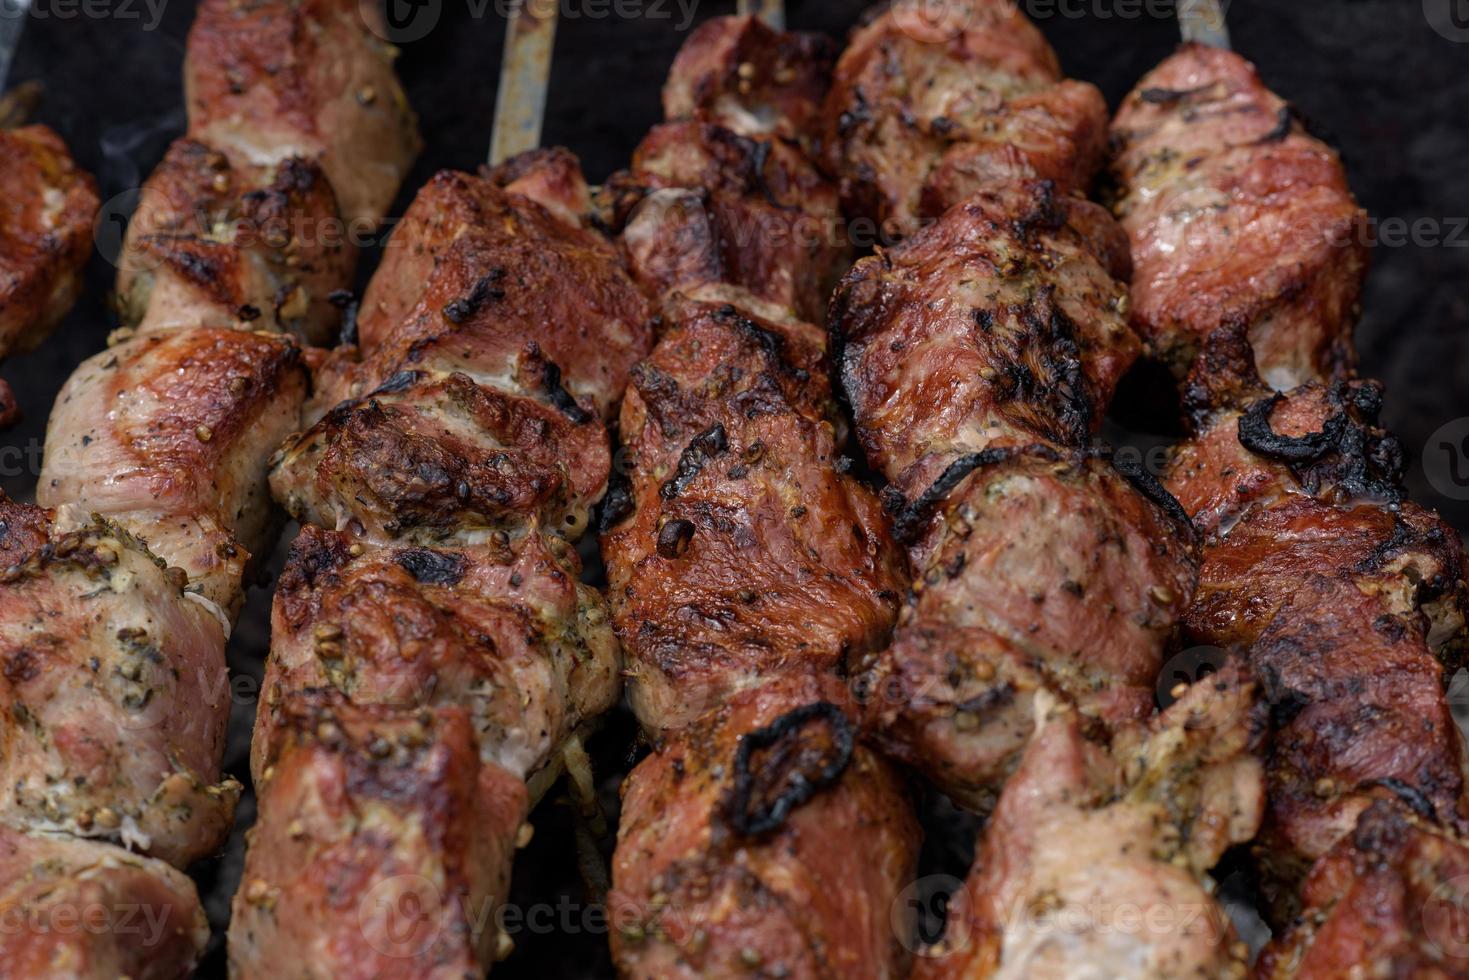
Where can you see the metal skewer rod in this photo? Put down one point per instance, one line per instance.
(525, 75)
(1203, 21)
(771, 11)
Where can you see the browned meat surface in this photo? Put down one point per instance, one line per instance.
(211, 245)
(744, 76)
(1040, 573)
(703, 204)
(492, 283)
(168, 433)
(81, 910)
(1096, 860)
(116, 693)
(1237, 217)
(1001, 325)
(503, 630)
(383, 846)
(933, 102)
(432, 648)
(738, 549)
(45, 233)
(267, 80)
(1349, 601)
(1388, 901)
(765, 841)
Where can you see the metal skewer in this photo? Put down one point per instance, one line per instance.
(1203, 21)
(771, 11)
(525, 75)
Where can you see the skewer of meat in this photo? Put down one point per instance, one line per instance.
(978, 357)
(1347, 598)
(744, 564)
(118, 597)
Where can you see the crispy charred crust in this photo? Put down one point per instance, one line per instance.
(910, 520)
(704, 447)
(560, 397)
(1151, 487)
(759, 801)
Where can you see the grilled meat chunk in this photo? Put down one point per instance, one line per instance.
(1349, 601)
(739, 549)
(1236, 216)
(486, 281)
(1095, 861)
(703, 204)
(45, 238)
(213, 245)
(167, 433)
(1039, 573)
(1387, 901)
(745, 76)
(503, 630)
(266, 81)
(1001, 325)
(766, 839)
(383, 846)
(116, 693)
(931, 103)
(82, 910)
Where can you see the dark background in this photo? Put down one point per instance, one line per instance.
(1371, 76)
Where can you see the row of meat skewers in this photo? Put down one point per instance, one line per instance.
(996, 619)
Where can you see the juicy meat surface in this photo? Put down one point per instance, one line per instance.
(1095, 861)
(383, 845)
(703, 204)
(168, 434)
(931, 103)
(47, 207)
(216, 245)
(738, 548)
(1388, 901)
(484, 280)
(83, 910)
(266, 80)
(504, 630)
(747, 77)
(1039, 573)
(766, 839)
(1000, 325)
(1236, 216)
(1348, 600)
(116, 693)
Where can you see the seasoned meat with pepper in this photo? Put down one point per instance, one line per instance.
(1096, 860)
(1387, 901)
(83, 910)
(931, 103)
(502, 629)
(484, 280)
(46, 217)
(1037, 573)
(212, 245)
(168, 433)
(267, 80)
(1349, 600)
(703, 204)
(383, 846)
(766, 840)
(1236, 216)
(744, 76)
(1001, 325)
(738, 548)
(116, 693)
